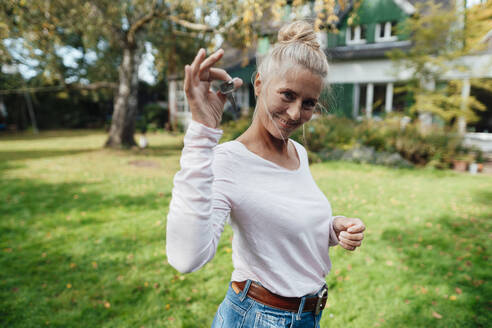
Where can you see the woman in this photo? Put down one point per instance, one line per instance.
(282, 223)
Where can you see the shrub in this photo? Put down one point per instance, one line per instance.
(335, 138)
(155, 116)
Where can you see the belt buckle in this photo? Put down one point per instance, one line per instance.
(319, 303)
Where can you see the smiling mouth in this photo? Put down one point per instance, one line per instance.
(286, 124)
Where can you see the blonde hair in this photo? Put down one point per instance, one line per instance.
(297, 47)
(297, 44)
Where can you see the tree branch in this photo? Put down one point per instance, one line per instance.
(141, 22)
(190, 25)
(203, 27)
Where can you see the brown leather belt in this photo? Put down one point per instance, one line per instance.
(260, 294)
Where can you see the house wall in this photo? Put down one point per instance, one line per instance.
(341, 99)
(370, 13)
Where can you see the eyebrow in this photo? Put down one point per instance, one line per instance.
(295, 93)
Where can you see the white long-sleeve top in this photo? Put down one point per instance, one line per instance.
(282, 223)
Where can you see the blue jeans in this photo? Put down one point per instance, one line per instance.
(241, 311)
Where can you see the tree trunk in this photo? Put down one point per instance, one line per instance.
(172, 97)
(125, 105)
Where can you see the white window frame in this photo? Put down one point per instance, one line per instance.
(357, 35)
(388, 37)
(181, 101)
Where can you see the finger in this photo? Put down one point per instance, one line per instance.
(357, 228)
(237, 83)
(347, 247)
(218, 74)
(195, 66)
(211, 60)
(352, 236)
(187, 81)
(355, 243)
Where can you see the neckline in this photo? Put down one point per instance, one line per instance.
(273, 163)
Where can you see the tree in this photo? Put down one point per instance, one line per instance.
(438, 39)
(114, 32)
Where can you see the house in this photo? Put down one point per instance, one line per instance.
(362, 77)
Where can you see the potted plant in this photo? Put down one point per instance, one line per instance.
(461, 162)
(480, 160)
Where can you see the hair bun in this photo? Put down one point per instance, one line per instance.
(298, 31)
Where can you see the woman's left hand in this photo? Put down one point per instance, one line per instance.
(349, 232)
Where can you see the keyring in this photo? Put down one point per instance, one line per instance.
(227, 88)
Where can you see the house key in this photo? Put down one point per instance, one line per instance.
(227, 88)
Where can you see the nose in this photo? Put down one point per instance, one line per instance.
(294, 111)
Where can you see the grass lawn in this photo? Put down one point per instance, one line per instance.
(82, 241)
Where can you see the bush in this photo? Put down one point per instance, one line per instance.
(233, 129)
(380, 142)
(155, 116)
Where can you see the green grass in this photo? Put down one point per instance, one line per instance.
(82, 241)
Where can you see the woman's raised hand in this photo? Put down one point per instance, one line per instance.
(206, 105)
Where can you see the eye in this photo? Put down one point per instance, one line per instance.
(289, 96)
(309, 104)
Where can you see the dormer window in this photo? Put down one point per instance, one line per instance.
(385, 32)
(355, 34)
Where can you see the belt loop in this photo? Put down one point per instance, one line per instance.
(301, 307)
(245, 290)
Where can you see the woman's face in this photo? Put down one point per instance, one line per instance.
(286, 102)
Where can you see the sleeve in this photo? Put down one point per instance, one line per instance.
(333, 235)
(199, 206)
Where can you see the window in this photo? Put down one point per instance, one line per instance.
(355, 34)
(386, 32)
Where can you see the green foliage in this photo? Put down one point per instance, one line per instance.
(325, 134)
(234, 128)
(330, 133)
(438, 40)
(155, 115)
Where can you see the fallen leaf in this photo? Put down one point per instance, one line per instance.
(94, 265)
(168, 306)
(452, 297)
(436, 315)
(458, 290)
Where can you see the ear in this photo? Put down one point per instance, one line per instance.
(257, 84)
